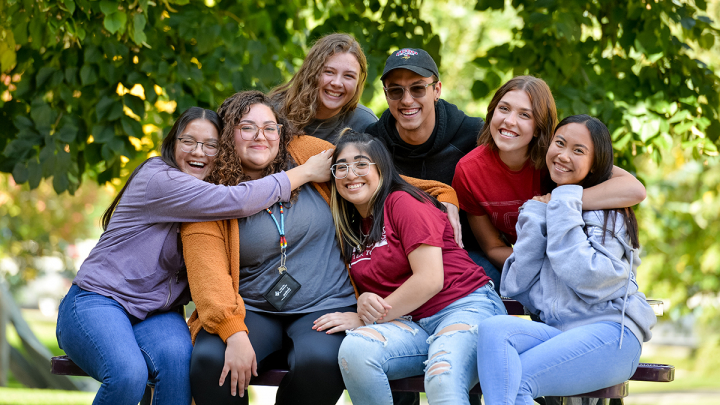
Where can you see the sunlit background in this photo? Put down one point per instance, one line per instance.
(45, 236)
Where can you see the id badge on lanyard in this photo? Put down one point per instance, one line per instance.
(285, 286)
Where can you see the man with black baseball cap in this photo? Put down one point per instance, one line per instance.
(426, 135)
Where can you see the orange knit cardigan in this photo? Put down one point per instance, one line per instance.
(212, 255)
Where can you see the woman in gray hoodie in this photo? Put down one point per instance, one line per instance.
(574, 269)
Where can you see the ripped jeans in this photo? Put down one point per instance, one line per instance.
(407, 348)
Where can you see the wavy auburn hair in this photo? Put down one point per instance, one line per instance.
(298, 98)
(228, 166)
(543, 110)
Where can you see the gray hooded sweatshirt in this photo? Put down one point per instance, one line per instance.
(562, 271)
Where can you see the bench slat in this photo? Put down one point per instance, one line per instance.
(62, 365)
(654, 372)
(416, 384)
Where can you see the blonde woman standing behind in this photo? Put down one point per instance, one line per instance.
(323, 97)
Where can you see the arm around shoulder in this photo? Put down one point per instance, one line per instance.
(441, 191)
(620, 191)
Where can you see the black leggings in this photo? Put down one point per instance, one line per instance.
(279, 341)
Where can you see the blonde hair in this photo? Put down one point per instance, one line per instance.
(297, 100)
(543, 110)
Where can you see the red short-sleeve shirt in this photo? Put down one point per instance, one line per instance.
(486, 186)
(409, 223)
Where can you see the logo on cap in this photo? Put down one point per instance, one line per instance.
(405, 53)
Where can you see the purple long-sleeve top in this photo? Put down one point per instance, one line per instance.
(137, 262)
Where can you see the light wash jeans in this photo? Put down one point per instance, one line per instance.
(120, 350)
(520, 360)
(413, 348)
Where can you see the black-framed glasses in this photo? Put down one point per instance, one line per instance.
(249, 132)
(416, 90)
(341, 170)
(188, 145)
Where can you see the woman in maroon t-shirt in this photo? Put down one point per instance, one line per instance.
(421, 294)
(508, 168)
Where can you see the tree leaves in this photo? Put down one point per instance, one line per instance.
(8, 58)
(115, 22)
(630, 68)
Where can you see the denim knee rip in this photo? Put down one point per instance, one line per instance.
(398, 323)
(439, 364)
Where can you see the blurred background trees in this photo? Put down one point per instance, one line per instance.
(89, 87)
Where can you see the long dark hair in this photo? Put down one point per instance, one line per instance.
(167, 150)
(601, 170)
(346, 216)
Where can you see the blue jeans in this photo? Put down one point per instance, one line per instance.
(120, 350)
(410, 348)
(520, 360)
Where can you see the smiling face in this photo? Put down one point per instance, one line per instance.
(513, 127)
(570, 155)
(358, 190)
(337, 84)
(415, 117)
(195, 162)
(257, 154)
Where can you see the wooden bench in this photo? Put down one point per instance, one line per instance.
(62, 365)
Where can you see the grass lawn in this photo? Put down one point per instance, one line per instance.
(30, 396)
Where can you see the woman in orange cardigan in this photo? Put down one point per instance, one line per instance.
(256, 301)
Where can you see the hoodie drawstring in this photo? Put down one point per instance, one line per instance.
(628, 249)
(627, 287)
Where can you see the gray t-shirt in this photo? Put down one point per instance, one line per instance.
(313, 257)
(330, 128)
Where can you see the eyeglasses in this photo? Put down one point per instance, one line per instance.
(188, 145)
(416, 90)
(249, 132)
(341, 170)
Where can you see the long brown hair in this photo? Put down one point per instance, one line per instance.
(297, 99)
(228, 167)
(167, 151)
(543, 110)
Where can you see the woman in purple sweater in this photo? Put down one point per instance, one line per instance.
(120, 321)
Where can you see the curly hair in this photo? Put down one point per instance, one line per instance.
(228, 166)
(543, 109)
(298, 98)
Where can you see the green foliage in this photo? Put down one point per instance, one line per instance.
(89, 84)
(680, 222)
(629, 63)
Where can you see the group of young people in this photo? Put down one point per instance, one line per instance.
(313, 236)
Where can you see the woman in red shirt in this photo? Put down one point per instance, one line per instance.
(421, 294)
(508, 168)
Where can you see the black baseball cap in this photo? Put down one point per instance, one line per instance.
(413, 59)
